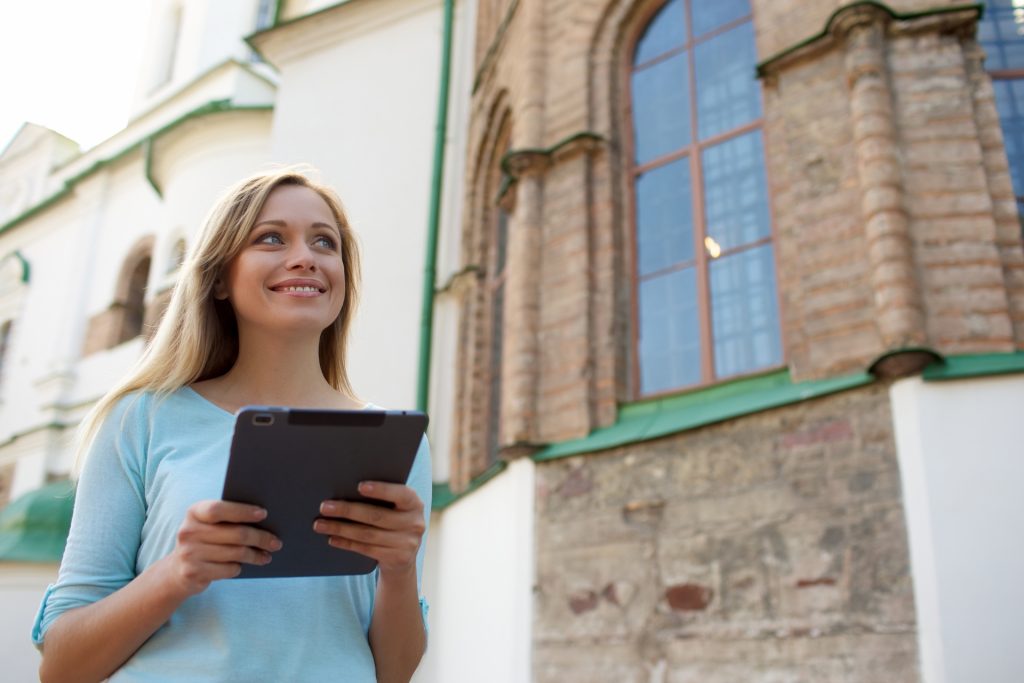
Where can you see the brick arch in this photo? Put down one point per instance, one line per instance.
(473, 398)
(139, 252)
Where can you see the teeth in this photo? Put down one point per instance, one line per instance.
(299, 289)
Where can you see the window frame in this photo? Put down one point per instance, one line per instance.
(694, 148)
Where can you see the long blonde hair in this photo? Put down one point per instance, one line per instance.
(197, 338)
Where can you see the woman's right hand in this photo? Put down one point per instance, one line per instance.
(216, 537)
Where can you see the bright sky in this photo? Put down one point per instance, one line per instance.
(70, 65)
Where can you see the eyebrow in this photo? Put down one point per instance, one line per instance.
(283, 224)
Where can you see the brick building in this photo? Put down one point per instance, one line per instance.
(745, 282)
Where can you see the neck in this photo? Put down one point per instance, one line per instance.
(274, 369)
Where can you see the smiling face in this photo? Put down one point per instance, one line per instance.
(289, 276)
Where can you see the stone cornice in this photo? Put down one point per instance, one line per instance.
(958, 18)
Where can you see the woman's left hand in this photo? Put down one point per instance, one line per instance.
(390, 536)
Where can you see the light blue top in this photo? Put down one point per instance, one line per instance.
(151, 460)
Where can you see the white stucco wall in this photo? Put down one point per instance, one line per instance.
(479, 580)
(362, 109)
(21, 588)
(961, 454)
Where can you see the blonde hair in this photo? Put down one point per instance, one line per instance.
(197, 338)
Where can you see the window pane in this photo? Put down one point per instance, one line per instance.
(735, 192)
(1010, 103)
(745, 321)
(727, 92)
(1001, 34)
(661, 108)
(664, 217)
(497, 334)
(666, 31)
(501, 242)
(669, 332)
(711, 15)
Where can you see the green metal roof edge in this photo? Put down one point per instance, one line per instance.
(34, 527)
(212, 107)
(443, 496)
(647, 420)
(764, 65)
(975, 365)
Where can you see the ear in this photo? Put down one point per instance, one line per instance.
(220, 292)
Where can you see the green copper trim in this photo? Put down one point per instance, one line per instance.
(443, 495)
(653, 419)
(975, 365)
(145, 145)
(434, 215)
(34, 527)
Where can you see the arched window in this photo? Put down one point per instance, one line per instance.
(1001, 34)
(135, 302)
(706, 305)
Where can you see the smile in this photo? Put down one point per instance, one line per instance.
(298, 289)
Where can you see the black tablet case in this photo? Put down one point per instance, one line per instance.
(290, 460)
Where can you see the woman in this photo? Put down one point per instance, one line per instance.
(260, 316)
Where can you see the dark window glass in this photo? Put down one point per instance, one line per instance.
(669, 331)
(709, 15)
(735, 192)
(728, 95)
(666, 32)
(494, 412)
(664, 217)
(661, 108)
(744, 312)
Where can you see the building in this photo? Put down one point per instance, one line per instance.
(723, 334)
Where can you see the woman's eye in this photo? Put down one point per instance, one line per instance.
(325, 242)
(270, 238)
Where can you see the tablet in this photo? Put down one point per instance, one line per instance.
(289, 460)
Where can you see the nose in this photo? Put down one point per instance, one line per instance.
(301, 257)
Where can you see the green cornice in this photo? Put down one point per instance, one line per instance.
(765, 65)
(443, 496)
(646, 420)
(975, 365)
(145, 145)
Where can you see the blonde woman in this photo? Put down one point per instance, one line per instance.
(260, 316)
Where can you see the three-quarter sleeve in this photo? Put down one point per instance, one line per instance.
(109, 512)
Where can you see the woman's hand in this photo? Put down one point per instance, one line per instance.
(390, 536)
(213, 542)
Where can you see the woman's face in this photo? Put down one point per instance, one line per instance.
(289, 276)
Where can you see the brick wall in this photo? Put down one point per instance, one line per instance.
(764, 549)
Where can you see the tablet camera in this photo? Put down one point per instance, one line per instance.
(263, 419)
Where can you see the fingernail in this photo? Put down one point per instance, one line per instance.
(267, 557)
(319, 526)
(259, 513)
(328, 508)
(365, 486)
(276, 544)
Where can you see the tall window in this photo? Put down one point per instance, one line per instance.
(1001, 34)
(496, 287)
(706, 302)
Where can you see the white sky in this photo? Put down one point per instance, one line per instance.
(69, 65)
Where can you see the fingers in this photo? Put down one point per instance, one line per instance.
(217, 511)
(401, 495)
